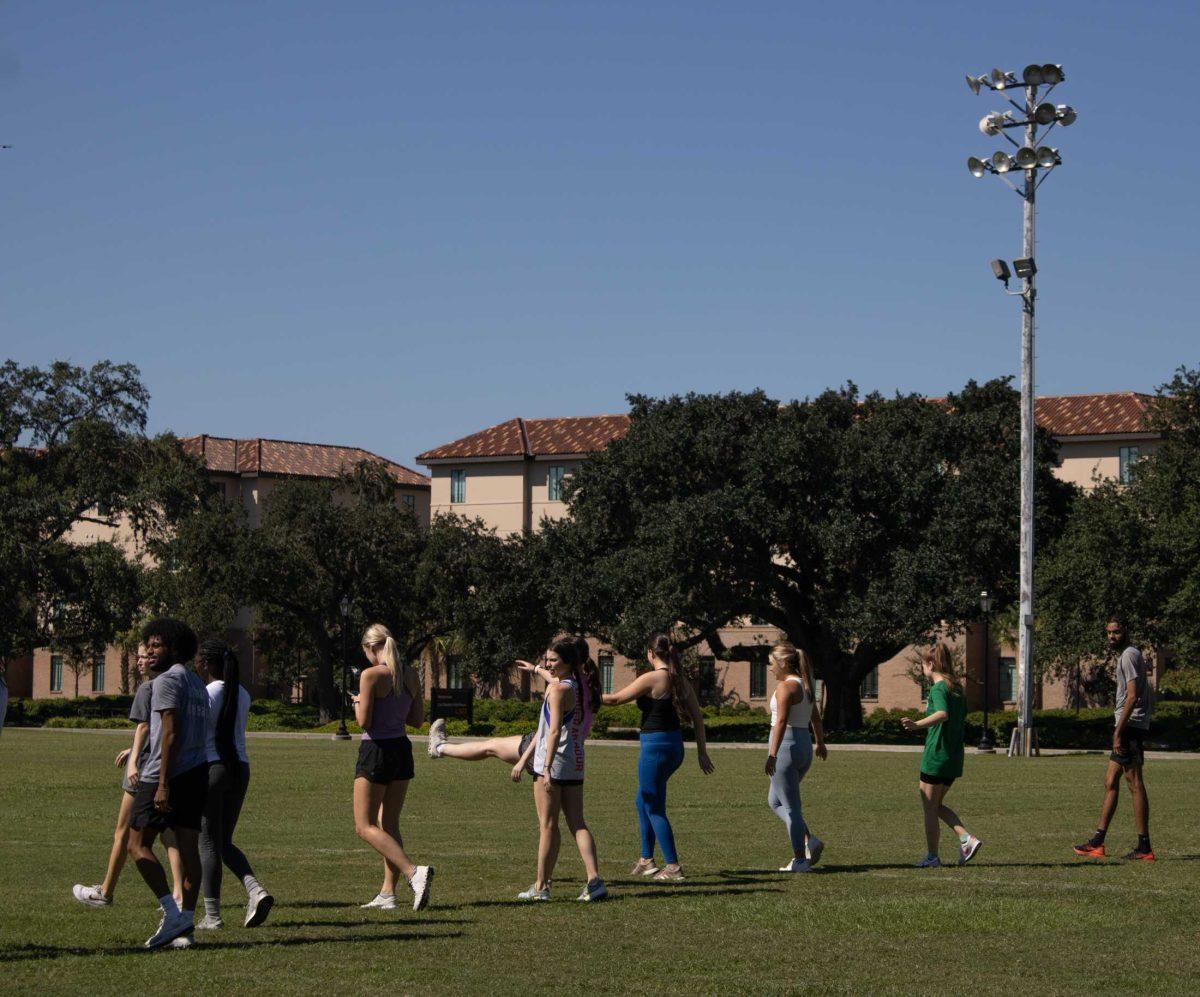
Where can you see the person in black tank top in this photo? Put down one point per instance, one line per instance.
(655, 693)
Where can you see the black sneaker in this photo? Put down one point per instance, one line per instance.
(1139, 855)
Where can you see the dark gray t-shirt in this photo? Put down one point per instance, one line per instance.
(1132, 668)
(178, 689)
(139, 713)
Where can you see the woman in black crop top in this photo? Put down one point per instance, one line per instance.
(657, 693)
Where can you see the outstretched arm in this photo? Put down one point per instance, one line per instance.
(640, 686)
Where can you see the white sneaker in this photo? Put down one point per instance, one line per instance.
(930, 862)
(813, 849)
(797, 866)
(644, 867)
(259, 906)
(533, 893)
(210, 922)
(169, 928)
(420, 882)
(90, 896)
(437, 737)
(595, 890)
(382, 901)
(967, 850)
(183, 942)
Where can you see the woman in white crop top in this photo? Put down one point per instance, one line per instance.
(790, 750)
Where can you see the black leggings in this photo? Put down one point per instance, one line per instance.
(226, 793)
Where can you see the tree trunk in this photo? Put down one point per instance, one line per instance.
(125, 672)
(843, 706)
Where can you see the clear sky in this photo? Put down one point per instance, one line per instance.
(391, 224)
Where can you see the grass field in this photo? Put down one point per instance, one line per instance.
(1026, 914)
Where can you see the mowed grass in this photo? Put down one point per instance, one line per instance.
(1026, 914)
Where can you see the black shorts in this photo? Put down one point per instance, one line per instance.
(187, 794)
(1133, 748)
(386, 761)
(937, 780)
(559, 782)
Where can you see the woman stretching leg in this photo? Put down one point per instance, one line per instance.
(660, 694)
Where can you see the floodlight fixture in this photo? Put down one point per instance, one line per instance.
(1001, 79)
(1066, 114)
(1000, 269)
(976, 82)
(1025, 268)
(1045, 114)
(994, 122)
(1032, 76)
(1047, 157)
(1001, 162)
(977, 166)
(1052, 73)
(1026, 158)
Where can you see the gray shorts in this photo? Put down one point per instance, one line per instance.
(526, 740)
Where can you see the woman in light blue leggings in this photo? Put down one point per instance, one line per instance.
(656, 692)
(790, 750)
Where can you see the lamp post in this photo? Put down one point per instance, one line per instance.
(342, 733)
(985, 604)
(1030, 158)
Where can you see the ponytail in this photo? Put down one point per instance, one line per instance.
(222, 664)
(591, 674)
(661, 647)
(379, 638)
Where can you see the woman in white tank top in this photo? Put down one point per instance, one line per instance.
(790, 750)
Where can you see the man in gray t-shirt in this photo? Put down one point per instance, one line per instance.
(1133, 711)
(180, 690)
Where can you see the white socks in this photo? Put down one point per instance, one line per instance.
(212, 907)
(252, 885)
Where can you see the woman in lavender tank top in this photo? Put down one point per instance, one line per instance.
(388, 702)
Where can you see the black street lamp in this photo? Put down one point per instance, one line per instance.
(985, 603)
(342, 733)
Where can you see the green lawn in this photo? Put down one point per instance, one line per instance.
(1026, 914)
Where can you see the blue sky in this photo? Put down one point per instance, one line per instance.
(391, 224)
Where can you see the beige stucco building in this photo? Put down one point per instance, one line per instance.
(510, 476)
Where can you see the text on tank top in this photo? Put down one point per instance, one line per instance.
(567, 762)
(800, 713)
(388, 715)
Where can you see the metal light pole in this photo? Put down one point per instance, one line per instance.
(985, 742)
(342, 733)
(1029, 159)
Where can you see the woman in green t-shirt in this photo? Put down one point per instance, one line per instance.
(942, 761)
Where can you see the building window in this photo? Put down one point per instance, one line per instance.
(410, 502)
(1129, 456)
(56, 673)
(1007, 681)
(606, 672)
(708, 680)
(98, 674)
(456, 673)
(758, 679)
(557, 475)
(870, 685)
(458, 486)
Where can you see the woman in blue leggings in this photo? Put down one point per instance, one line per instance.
(660, 693)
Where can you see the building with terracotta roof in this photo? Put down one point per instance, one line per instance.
(243, 471)
(511, 476)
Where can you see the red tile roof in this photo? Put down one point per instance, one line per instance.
(286, 459)
(535, 438)
(1116, 413)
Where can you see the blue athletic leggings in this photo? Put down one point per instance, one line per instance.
(661, 755)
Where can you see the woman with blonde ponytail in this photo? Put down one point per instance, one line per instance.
(790, 749)
(389, 700)
(661, 694)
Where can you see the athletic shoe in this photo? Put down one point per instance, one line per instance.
(420, 882)
(169, 928)
(967, 849)
(930, 862)
(796, 865)
(1137, 855)
(813, 849)
(670, 875)
(595, 890)
(259, 906)
(533, 893)
(382, 901)
(437, 737)
(90, 896)
(1090, 851)
(183, 942)
(210, 922)
(643, 867)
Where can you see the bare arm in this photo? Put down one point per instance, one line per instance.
(554, 701)
(818, 733)
(641, 686)
(785, 694)
(416, 710)
(693, 708)
(524, 759)
(141, 732)
(169, 733)
(934, 718)
(364, 702)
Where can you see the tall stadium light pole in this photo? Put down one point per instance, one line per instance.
(1036, 162)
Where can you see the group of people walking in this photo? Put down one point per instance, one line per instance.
(187, 773)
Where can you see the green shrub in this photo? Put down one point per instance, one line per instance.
(94, 723)
(1180, 683)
